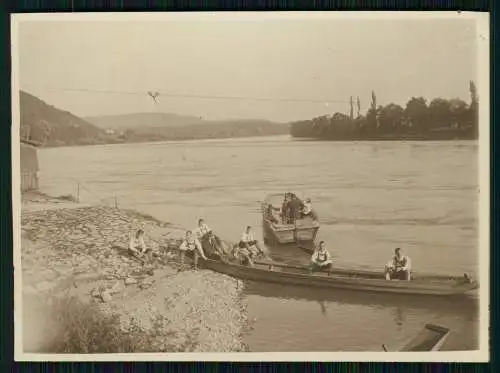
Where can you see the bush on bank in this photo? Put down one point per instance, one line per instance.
(74, 326)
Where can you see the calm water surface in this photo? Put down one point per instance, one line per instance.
(370, 196)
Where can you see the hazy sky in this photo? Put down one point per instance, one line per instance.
(319, 59)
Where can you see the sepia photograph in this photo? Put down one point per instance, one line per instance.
(306, 186)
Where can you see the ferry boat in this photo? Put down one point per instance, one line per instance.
(277, 231)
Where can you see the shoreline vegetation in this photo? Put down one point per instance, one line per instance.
(440, 119)
(82, 293)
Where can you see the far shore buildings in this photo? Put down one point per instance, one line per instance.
(29, 165)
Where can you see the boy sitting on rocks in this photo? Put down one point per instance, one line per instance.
(137, 247)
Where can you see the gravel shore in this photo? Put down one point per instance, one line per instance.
(81, 250)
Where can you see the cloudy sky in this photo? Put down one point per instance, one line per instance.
(69, 64)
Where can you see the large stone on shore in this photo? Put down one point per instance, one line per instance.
(45, 286)
(130, 281)
(106, 297)
(115, 288)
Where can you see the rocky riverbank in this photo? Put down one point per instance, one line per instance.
(81, 251)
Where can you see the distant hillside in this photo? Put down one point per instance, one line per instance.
(166, 126)
(51, 126)
(131, 121)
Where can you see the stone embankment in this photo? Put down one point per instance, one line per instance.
(83, 251)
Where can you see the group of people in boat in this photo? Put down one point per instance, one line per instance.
(206, 244)
(398, 268)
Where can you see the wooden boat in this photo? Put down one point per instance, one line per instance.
(430, 338)
(339, 278)
(275, 232)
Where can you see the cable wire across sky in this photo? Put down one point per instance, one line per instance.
(159, 95)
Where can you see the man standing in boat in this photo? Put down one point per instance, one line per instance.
(321, 259)
(285, 210)
(399, 267)
(295, 208)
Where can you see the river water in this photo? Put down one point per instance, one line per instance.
(371, 197)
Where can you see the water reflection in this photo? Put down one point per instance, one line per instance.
(434, 201)
(323, 306)
(350, 321)
(462, 305)
(399, 317)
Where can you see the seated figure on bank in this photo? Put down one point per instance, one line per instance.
(137, 247)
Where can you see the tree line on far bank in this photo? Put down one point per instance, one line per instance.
(440, 119)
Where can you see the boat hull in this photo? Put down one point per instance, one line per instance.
(338, 280)
(284, 235)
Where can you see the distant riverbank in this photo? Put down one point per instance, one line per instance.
(76, 251)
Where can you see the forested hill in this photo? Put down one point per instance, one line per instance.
(440, 119)
(50, 126)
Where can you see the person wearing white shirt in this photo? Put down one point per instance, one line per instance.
(307, 209)
(203, 231)
(321, 259)
(248, 240)
(190, 243)
(399, 267)
(136, 243)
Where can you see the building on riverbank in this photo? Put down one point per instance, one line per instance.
(30, 168)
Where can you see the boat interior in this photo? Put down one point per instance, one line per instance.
(359, 274)
(272, 207)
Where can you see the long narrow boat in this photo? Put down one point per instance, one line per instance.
(339, 278)
(430, 338)
(275, 232)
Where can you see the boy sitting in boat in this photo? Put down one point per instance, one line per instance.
(242, 256)
(249, 242)
(308, 211)
(399, 267)
(307, 208)
(191, 244)
(204, 233)
(321, 259)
